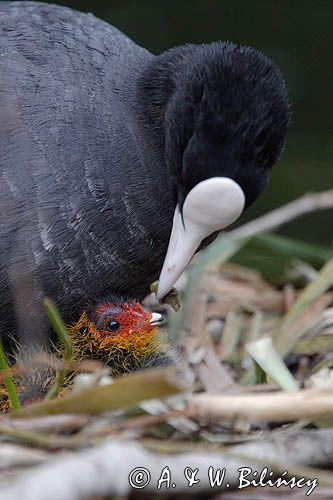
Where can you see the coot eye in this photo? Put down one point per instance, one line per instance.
(113, 326)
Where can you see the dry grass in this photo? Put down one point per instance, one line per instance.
(255, 388)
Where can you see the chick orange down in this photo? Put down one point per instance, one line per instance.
(115, 331)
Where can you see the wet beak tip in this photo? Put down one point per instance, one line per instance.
(156, 319)
(161, 292)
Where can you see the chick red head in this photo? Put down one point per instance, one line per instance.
(111, 327)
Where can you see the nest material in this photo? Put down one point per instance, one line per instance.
(237, 426)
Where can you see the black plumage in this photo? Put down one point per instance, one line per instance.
(99, 140)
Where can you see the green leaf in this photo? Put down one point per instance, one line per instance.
(267, 357)
(289, 334)
(273, 255)
(59, 327)
(9, 383)
(65, 341)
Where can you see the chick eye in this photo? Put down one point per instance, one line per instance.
(113, 326)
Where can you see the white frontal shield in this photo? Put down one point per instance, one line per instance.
(210, 206)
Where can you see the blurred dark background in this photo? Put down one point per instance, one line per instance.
(298, 35)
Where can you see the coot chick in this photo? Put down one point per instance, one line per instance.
(115, 331)
(120, 333)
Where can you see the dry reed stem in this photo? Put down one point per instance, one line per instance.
(277, 407)
(105, 470)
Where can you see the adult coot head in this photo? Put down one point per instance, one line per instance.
(221, 112)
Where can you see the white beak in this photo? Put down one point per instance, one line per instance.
(210, 206)
(156, 319)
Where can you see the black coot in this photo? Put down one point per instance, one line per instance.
(104, 148)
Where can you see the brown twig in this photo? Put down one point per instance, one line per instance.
(277, 407)
(310, 202)
(51, 423)
(140, 422)
(105, 470)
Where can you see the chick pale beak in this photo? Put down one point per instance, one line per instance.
(210, 206)
(156, 319)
